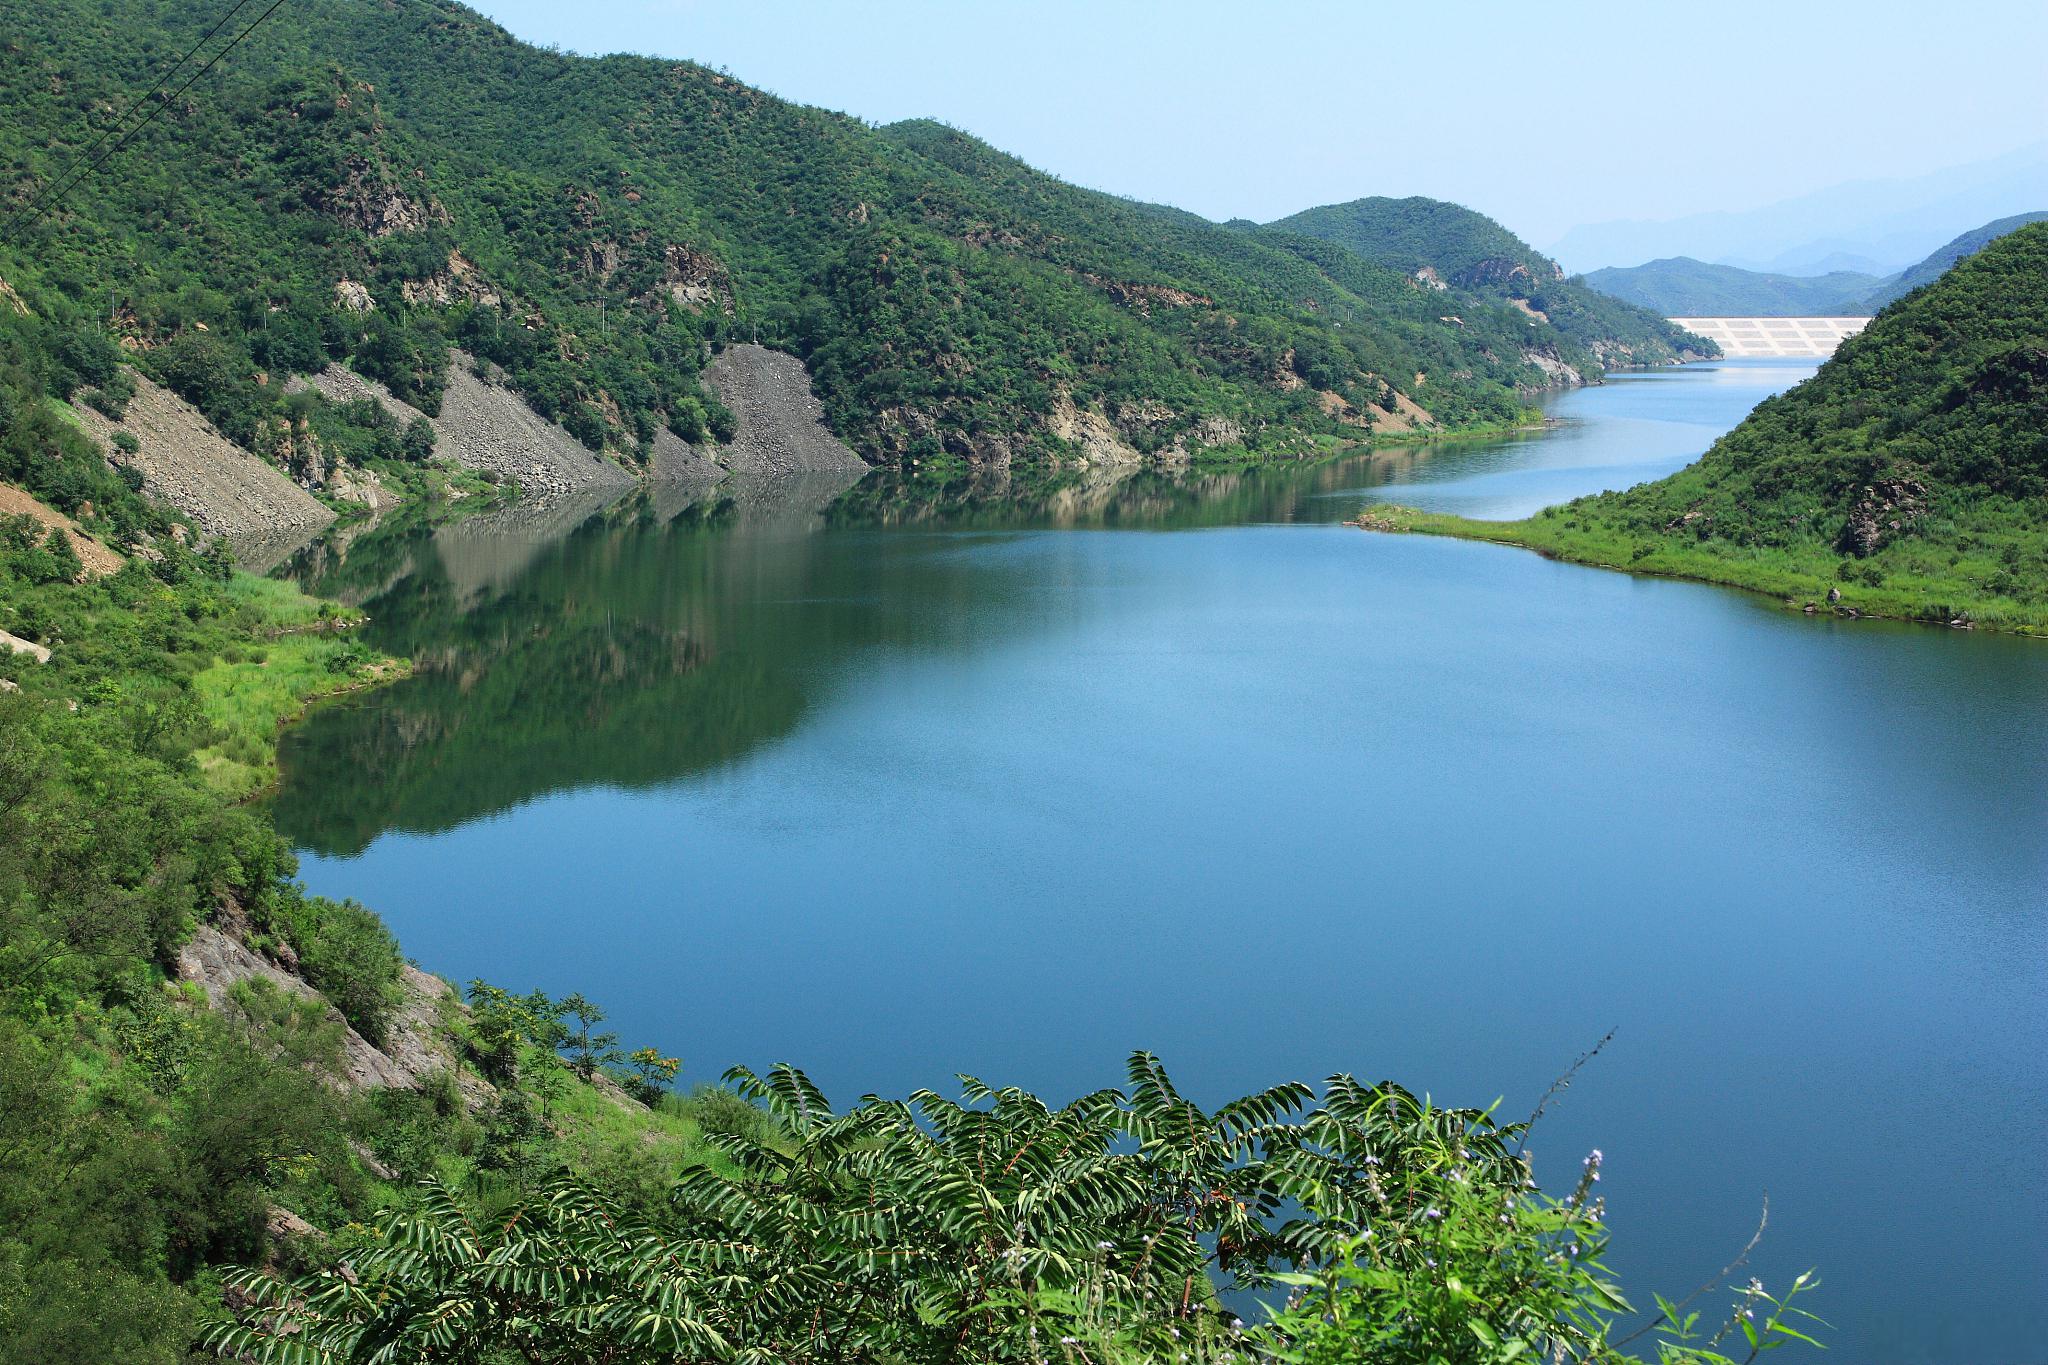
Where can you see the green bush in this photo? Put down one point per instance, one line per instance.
(346, 952)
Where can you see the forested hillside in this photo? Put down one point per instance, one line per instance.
(1454, 248)
(1908, 477)
(1939, 260)
(380, 183)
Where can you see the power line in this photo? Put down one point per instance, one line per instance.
(157, 109)
(125, 114)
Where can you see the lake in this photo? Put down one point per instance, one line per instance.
(895, 787)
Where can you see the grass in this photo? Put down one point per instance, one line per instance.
(308, 652)
(1940, 580)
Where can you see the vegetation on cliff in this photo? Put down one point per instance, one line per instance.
(378, 184)
(1908, 477)
(1453, 246)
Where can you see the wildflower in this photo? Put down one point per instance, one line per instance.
(1070, 1341)
(1105, 1246)
(1237, 1324)
(1432, 1213)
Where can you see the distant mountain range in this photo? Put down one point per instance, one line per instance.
(1684, 287)
(1869, 226)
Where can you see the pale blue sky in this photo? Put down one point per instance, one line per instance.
(1545, 115)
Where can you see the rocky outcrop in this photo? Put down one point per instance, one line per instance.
(459, 282)
(1556, 373)
(1143, 298)
(14, 644)
(368, 198)
(186, 463)
(487, 426)
(217, 962)
(1099, 440)
(694, 281)
(1883, 509)
(97, 558)
(780, 425)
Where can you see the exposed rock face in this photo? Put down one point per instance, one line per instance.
(97, 558)
(217, 961)
(1100, 442)
(1883, 509)
(191, 466)
(14, 644)
(487, 426)
(1558, 374)
(366, 198)
(353, 296)
(461, 282)
(1143, 298)
(780, 423)
(695, 281)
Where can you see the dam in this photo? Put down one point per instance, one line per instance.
(1741, 338)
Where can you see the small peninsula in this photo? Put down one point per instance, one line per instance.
(1908, 478)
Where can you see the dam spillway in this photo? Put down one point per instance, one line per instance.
(1742, 338)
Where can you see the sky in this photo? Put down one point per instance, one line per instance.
(1544, 115)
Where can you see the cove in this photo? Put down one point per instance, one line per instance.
(892, 790)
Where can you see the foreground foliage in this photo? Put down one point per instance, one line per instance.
(1908, 477)
(1001, 1228)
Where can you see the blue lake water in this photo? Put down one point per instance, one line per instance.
(893, 789)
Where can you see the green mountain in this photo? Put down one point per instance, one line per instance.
(1682, 287)
(1908, 477)
(1931, 269)
(380, 183)
(1456, 249)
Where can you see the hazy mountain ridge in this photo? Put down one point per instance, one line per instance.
(1683, 287)
(1890, 222)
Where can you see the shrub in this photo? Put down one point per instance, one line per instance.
(346, 952)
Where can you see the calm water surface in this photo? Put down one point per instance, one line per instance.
(1188, 766)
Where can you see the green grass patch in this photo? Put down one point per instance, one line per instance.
(306, 651)
(1931, 582)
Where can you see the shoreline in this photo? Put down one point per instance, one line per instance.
(1805, 594)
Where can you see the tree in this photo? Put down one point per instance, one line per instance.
(588, 1050)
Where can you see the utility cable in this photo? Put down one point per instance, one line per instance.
(111, 152)
(134, 104)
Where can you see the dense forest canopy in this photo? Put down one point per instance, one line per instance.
(1457, 248)
(378, 183)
